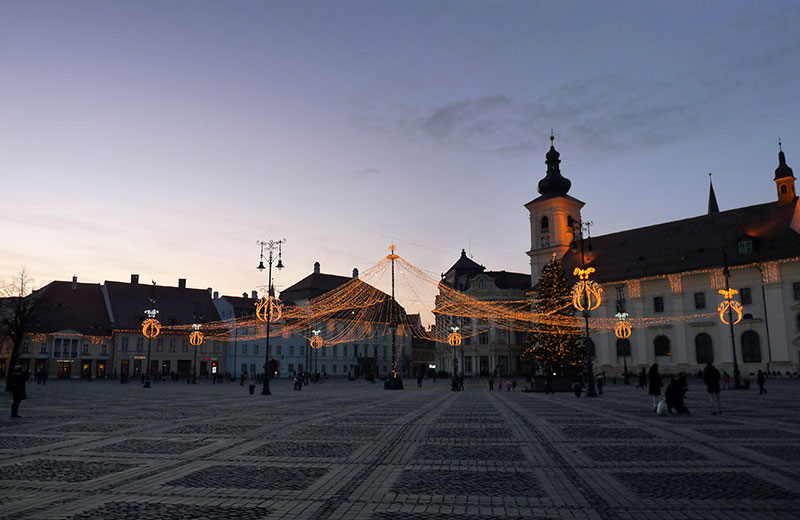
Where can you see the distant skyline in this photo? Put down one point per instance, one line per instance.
(165, 138)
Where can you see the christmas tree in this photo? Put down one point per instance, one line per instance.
(556, 349)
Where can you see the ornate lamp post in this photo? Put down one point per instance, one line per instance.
(730, 306)
(150, 329)
(196, 339)
(269, 309)
(395, 382)
(586, 296)
(454, 340)
(623, 331)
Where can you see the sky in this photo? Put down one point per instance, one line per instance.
(166, 138)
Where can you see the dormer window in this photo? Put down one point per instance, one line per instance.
(545, 224)
(482, 285)
(745, 246)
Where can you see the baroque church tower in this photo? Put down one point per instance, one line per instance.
(553, 216)
(784, 179)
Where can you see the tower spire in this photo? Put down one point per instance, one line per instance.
(712, 198)
(553, 183)
(784, 178)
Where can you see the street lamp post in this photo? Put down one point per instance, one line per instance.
(729, 306)
(268, 309)
(196, 339)
(150, 329)
(585, 297)
(623, 331)
(454, 340)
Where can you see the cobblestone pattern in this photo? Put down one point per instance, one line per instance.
(151, 511)
(718, 485)
(350, 450)
(250, 477)
(48, 470)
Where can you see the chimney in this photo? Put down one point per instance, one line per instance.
(216, 295)
(316, 267)
(254, 295)
(210, 291)
(181, 283)
(355, 272)
(244, 295)
(135, 279)
(74, 283)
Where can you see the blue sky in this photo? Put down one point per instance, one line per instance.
(165, 138)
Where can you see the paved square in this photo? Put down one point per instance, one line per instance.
(350, 450)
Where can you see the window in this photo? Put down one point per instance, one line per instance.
(125, 343)
(623, 347)
(751, 347)
(333, 369)
(699, 300)
(244, 350)
(703, 349)
(324, 351)
(291, 350)
(745, 247)
(280, 347)
(291, 367)
(658, 304)
(302, 350)
(172, 346)
(482, 285)
(84, 349)
(375, 351)
(384, 352)
(784, 189)
(797, 319)
(746, 296)
(796, 288)
(335, 350)
(483, 338)
(252, 368)
(255, 349)
(26, 347)
(139, 344)
(159, 344)
(662, 346)
(184, 345)
(104, 350)
(324, 369)
(244, 368)
(545, 224)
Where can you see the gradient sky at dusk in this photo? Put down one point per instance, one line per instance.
(164, 138)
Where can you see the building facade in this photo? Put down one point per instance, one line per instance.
(672, 273)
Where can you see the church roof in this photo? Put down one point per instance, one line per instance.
(464, 263)
(692, 244)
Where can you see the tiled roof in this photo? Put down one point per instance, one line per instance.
(176, 305)
(507, 280)
(79, 307)
(692, 244)
(313, 285)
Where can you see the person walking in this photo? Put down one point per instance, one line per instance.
(491, 383)
(727, 378)
(642, 383)
(711, 378)
(654, 383)
(761, 379)
(17, 387)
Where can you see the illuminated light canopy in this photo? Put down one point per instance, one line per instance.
(586, 294)
(269, 308)
(316, 339)
(729, 304)
(623, 329)
(196, 337)
(454, 339)
(151, 327)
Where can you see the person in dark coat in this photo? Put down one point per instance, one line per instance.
(761, 379)
(711, 378)
(642, 383)
(674, 393)
(17, 386)
(654, 384)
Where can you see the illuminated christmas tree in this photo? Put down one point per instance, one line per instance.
(555, 348)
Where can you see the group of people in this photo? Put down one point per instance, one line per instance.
(510, 385)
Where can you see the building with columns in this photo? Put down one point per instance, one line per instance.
(675, 271)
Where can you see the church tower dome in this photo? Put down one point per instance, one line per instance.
(784, 178)
(553, 183)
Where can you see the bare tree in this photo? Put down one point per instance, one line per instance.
(18, 309)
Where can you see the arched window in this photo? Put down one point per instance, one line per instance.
(703, 349)
(545, 224)
(751, 347)
(662, 346)
(623, 347)
(784, 189)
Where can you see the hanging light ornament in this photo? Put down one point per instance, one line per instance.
(731, 304)
(623, 329)
(586, 294)
(454, 339)
(316, 341)
(196, 337)
(269, 308)
(151, 327)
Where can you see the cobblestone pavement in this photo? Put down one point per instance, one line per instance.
(351, 450)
